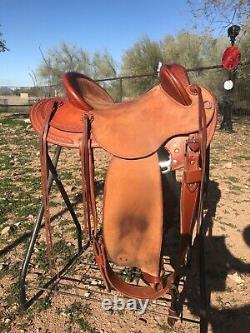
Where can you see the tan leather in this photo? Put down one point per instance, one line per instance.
(175, 115)
(55, 136)
(150, 121)
(133, 213)
(174, 80)
(83, 92)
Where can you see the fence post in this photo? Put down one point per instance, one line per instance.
(120, 90)
(227, 107)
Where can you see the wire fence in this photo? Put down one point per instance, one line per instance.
(126, 87)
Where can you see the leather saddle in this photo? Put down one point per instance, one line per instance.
(168, 128)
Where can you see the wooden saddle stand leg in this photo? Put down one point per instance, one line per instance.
(168, 128)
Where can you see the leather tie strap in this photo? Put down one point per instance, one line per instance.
(203, 139)
(87, 169)
(191, 202)
(51, 107)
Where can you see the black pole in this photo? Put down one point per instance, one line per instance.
(227, 107)
(37, 226)
(52, 165)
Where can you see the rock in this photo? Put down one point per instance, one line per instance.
(236, 278)
(3, 265)
(87, 294)
(15, 307)
(94, 283)
(30, 217)
(229, 165)
(6, 231)
(143, 320)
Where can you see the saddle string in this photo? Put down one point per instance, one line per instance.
(87, 163)
(89, 204)
(44, 173)
(92, 187)
(203, 147)
(84, 155)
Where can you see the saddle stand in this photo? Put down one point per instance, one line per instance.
(168, 128)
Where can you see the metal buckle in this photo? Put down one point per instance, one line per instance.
(165, 165)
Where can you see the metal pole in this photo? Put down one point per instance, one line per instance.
(26, 262)
(229, 124)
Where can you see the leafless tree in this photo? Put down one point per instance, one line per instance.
(3, 46)
(220, 13)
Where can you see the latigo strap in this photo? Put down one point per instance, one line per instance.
(51, 106)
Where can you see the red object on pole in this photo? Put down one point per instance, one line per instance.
(231, 58)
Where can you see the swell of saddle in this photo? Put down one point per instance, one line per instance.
(139, 128)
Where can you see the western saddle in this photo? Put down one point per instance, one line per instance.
(168, 128)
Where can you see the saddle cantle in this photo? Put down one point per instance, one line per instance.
(175, 118)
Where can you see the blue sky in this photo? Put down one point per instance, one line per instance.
(93, 25)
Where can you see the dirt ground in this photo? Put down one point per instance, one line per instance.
(74, 304)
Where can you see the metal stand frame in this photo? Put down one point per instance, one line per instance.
(203, 287)
(53, 176)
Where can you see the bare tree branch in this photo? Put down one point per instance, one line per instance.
(220, 13)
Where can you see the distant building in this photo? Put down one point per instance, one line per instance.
(22, 99)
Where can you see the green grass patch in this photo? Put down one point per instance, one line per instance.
(13, 293)
(41, 257)
(231, 225)
(165, 328)
(64, 175)
(13, 123)
(78, 313)
(242, 157)
(63, 250)
(42, 304)
(233, 179)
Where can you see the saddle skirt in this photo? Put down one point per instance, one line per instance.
(173, 116)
